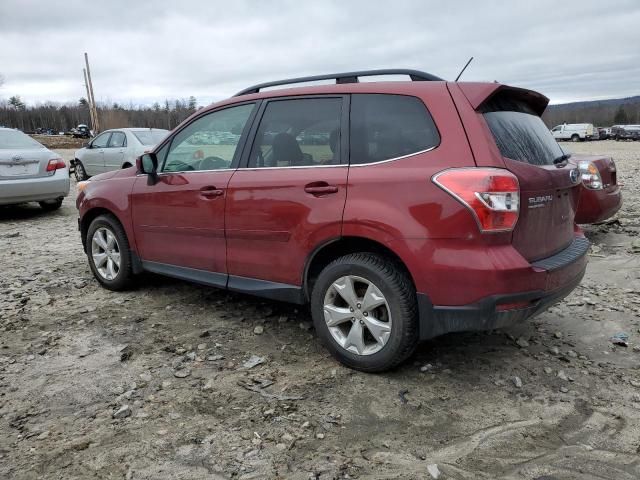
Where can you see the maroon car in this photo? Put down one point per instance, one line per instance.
(600, 197)
(398, 211)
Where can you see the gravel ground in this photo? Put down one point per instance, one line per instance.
(178, 381)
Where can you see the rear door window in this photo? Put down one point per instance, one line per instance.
(298, 133)
(384, 127)
(520, 134)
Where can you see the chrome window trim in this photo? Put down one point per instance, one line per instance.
(293, 167)
(301, 166)
(394, 158)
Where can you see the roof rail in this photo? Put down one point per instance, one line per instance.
(346, 77)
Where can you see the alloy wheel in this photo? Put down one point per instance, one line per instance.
(105, 253)
(357, 315)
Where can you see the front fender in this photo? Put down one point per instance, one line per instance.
(114, 196)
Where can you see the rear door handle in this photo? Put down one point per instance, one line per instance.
(320, 188)
(211, 192)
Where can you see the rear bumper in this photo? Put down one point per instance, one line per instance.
(35, 189)
(598, 205)
(563, 272)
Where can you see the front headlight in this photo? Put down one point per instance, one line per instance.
(82, 185)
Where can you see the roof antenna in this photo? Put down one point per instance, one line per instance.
(464, 68)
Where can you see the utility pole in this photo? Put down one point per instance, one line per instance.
(96, 125)
(89, 102)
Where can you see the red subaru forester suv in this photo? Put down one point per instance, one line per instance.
(398, 210)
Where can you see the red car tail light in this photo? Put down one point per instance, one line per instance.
(591, 178)
(55, 164)
(491, 194)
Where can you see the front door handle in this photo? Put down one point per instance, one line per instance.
(320, 188)
(211, 192)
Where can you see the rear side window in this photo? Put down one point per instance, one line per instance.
(389, 126)
(298, 133)
(519, 133)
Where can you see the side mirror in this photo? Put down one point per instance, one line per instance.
(86, 144)
(147, 164)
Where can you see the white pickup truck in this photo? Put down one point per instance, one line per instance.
(575, 132)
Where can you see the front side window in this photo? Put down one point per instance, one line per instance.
(298, 133)
(384, 127)
(101, 141)
(118, 139)
(208, 143)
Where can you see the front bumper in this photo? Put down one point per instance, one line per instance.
(564, 272)
(35, 189)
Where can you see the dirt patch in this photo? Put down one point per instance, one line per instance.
(154, 383)
(60, 141)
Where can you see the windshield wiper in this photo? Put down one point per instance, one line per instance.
(561, 159)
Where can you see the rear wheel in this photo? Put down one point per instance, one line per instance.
(575, 138)
(108, 253)
(80, 172)
(50, 205)
(364, 310)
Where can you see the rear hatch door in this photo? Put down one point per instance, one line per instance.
(21, 156)
(549, 184)
(18, 164)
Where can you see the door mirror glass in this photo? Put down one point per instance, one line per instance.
(148, 164)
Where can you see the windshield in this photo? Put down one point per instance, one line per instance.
(14, 139)
(150, 137)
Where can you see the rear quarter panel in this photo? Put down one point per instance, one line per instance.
(395, 201)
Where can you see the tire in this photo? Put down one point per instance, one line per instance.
(79, 171)
(51, 205)
(575, 138)
(113, 243)
(398, 315)
(126, 165)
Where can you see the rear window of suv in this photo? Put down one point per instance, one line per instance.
(519, 133)
(384, 127)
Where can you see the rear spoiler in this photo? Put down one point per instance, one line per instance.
(479, 94)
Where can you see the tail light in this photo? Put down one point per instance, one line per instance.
(491, 194)
(55, 164)
(591, 178)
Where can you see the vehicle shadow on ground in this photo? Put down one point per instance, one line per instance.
(24, 212)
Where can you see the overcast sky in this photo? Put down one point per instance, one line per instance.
(139, 53)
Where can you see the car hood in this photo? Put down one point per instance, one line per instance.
(123, 173)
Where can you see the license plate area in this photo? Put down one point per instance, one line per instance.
(18, 169)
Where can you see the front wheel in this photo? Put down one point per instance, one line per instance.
(108, 253)
(80, 172)
(365, 312)
(575, 138)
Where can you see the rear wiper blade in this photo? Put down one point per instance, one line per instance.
(562, 158)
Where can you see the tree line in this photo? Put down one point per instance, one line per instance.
(14, 113)
(600, 113)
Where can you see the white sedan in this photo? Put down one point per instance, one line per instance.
(29, 172)
(115, 149)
